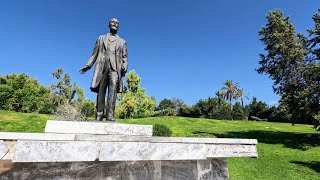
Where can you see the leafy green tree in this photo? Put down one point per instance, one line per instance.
(314, 35)
(134, 102)
(63, 92)
(312, 72)
(88, 108)
(219, 96)
(230, 92)
(22, 93)
(258, 109)
(239, 112)
(210, 108)
(178, 103)
(242, 94)
(165, 104)
(286, 61)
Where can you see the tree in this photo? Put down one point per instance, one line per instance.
(165, 104)
(242, 94)
(63, 92)
(209, 108)
(22, 93)
(258, 109)
(239, 112)
(219, 96)
(230, 91)
(312, 72)
(314, 35)
(88, 108)
(285, 62)
(134, 102)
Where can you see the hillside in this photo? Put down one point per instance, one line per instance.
(284, 150)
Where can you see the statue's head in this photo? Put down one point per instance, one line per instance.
(114, 24)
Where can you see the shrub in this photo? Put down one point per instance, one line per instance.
(88, 108)
(280, 114)
(184, 111)
(239, 113)
(221, 112)
(69, 112)
(316, 119)
(161, 130)
(47, 108)
(165, 112)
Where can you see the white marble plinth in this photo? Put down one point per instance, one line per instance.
(55, 151)
(81, 127)
(121, 138)
(71, 151)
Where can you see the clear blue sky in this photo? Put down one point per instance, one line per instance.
(184, 49)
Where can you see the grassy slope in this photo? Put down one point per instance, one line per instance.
(284, 151)
(22, 122)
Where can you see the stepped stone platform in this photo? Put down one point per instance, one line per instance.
(96, 150)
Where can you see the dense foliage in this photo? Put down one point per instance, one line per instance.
(161, 130)
(22, 93)
(292, 61)
(134, 102)
(169, 107)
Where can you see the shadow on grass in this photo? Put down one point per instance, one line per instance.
(288, 139)
(314, 165)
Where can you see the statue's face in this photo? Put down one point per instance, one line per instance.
(114, 24)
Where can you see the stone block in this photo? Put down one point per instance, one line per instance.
(213, 169)
(117, 170)
(171, 170)
(80, 127)
(229, 150)
(36, 136)
(124, 151)
(177, 151)
(129, 151)
(55, 151)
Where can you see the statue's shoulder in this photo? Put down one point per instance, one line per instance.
(102, 36)
(122, 40)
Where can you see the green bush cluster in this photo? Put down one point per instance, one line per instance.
(134, 102)
(161, 130)
(22, 93)
(213, 108)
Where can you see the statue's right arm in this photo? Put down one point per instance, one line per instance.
(92, 58)
(94, 55)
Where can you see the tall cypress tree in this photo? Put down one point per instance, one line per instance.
(284, 61)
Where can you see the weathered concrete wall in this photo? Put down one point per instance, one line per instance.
(214, 169)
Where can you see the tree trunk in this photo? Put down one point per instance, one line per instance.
(231, 106)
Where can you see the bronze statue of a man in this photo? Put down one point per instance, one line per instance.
(111, 58)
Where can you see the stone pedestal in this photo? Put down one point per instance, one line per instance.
(93, 150)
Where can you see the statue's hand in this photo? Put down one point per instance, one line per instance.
(123, 71)
(84, 69)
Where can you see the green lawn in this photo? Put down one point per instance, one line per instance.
(284, 150)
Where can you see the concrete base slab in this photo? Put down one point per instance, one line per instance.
(134, 170)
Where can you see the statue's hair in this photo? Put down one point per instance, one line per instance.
(112, 19)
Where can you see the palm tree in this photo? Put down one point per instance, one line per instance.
(219, 96)
(242, 94)
(230, 92)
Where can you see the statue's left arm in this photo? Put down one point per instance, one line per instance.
(124, 59)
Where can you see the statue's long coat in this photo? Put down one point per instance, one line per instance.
(100, 57)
